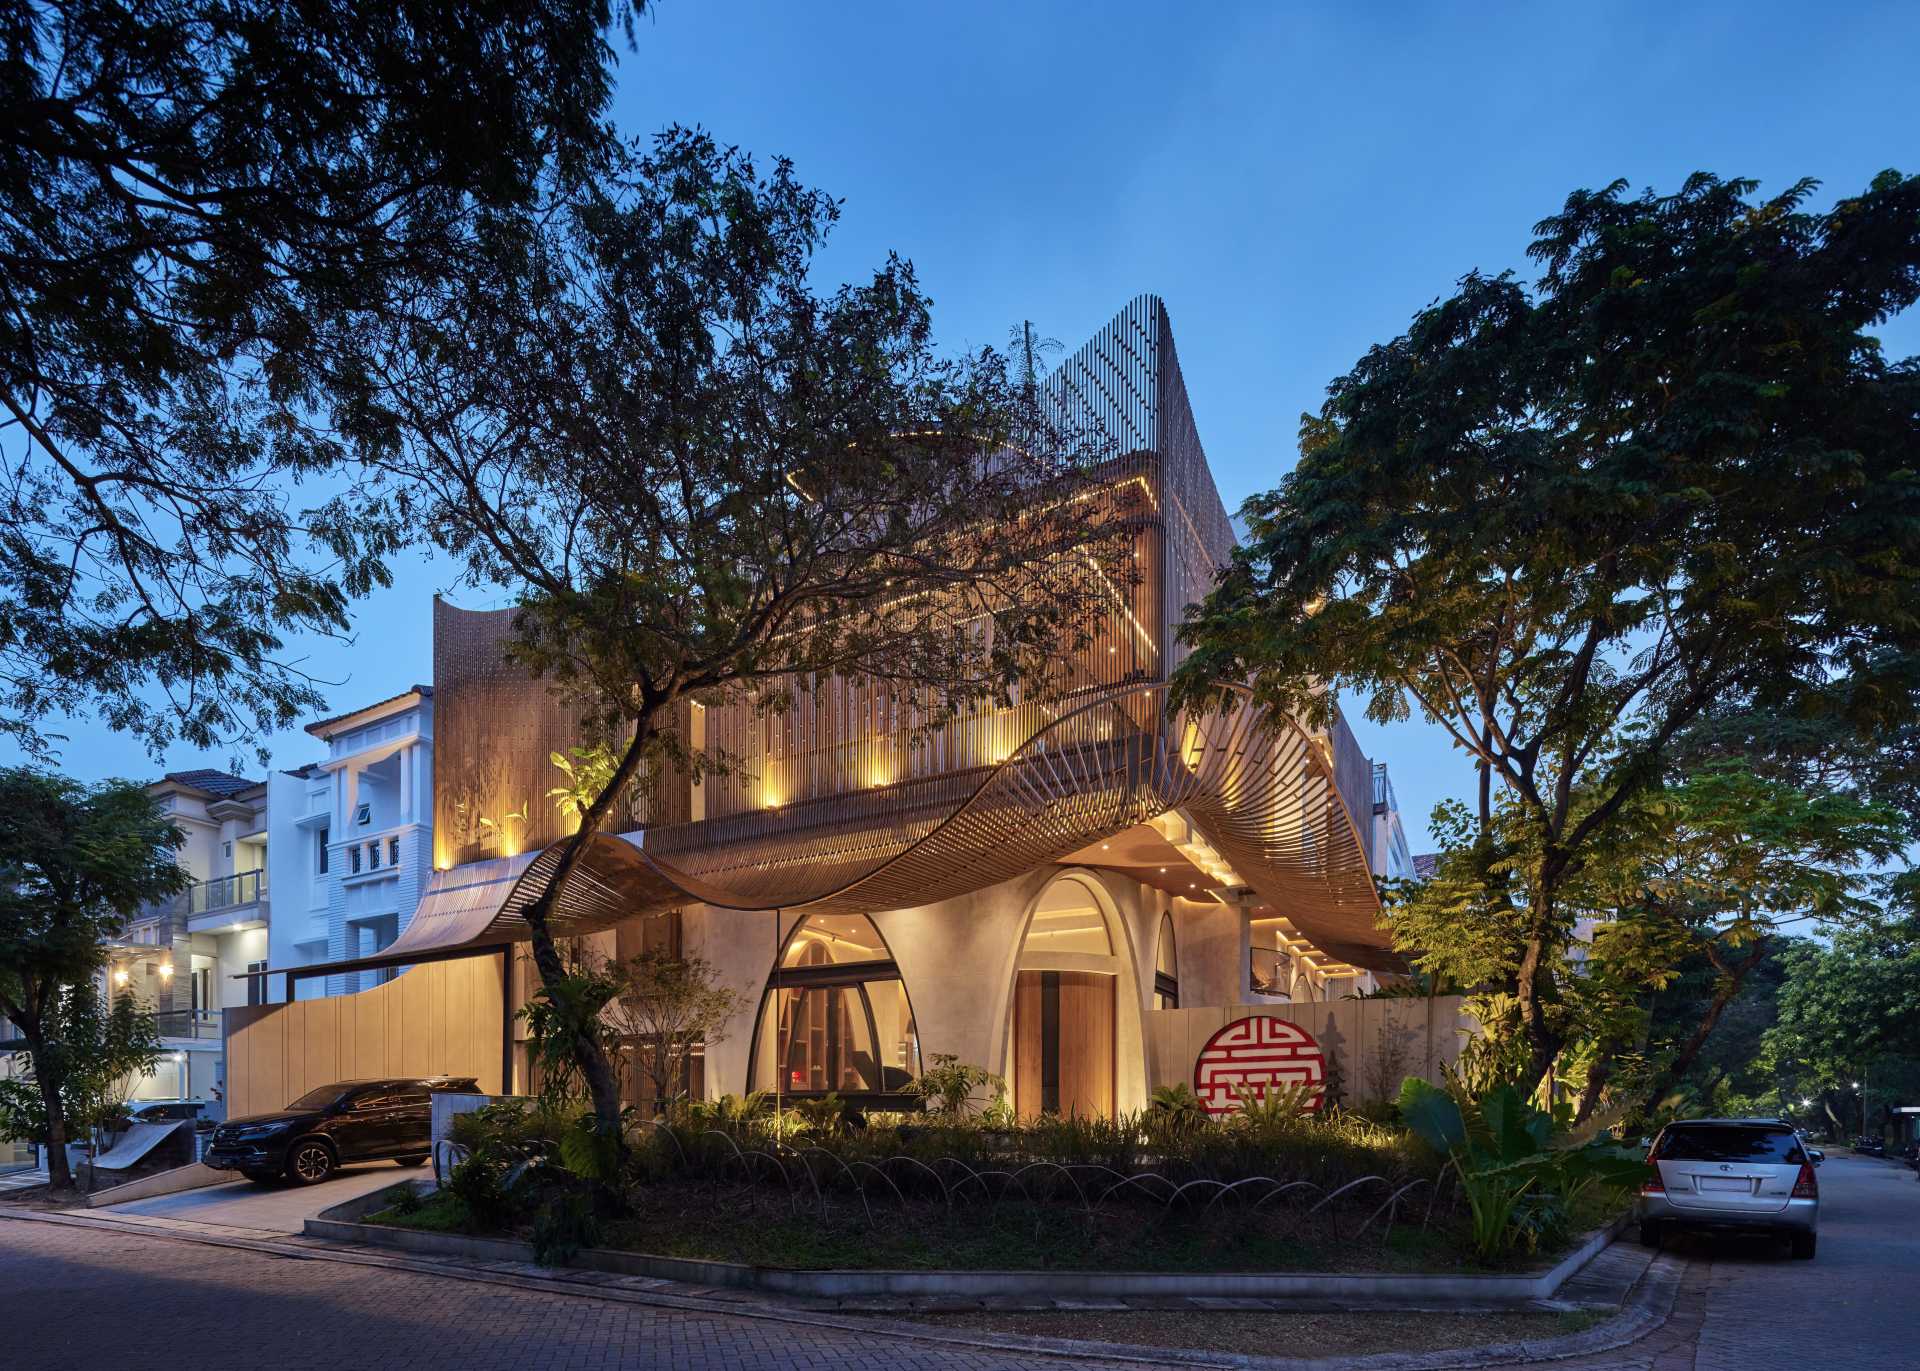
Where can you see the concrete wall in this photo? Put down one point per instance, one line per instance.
(440, 1018)
(1375, 1043)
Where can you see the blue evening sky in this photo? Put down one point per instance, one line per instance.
(1294, 181)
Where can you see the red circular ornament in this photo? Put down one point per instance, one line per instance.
(1254, 1054)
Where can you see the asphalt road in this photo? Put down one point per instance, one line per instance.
(1856, 1305)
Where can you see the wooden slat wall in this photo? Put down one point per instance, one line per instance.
(443, 1018)
(1376, 1043)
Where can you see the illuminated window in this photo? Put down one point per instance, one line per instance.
(1166, 968)
(835, 1017)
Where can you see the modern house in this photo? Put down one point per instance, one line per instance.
(319, 865)
(1078, 892)
(200, 952)
(352, 839)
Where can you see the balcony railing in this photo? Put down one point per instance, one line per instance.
(187, 1023)
(225, 892)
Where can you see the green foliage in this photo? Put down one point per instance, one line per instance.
(951, 1087)
(1555, 523)
(75, 863)
(1273, 1103)
(1519, 1188)
(664, 1006)
(1176, 1107)
(206, 206)
(564, 1011)
(823, 1116)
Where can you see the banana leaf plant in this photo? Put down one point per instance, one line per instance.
(1518, 1184)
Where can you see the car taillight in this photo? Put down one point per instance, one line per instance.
(1806, 1188)
(1653, 1185)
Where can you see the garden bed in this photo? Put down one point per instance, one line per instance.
(756, 1227)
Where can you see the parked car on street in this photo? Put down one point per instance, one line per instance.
(1743, 1175)
(164, 1111)
(349, 1121)
(1870, 1146)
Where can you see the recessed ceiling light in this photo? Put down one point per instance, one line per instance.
(1163, 871)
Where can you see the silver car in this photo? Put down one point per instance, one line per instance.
(1749, 1174)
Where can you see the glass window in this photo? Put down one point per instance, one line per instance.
(1166, 960)
(1728, 1143)
(848, 1028)
(393, 851)
(1068, 920)
(319, 1098)
(323, 852)
(835, 939)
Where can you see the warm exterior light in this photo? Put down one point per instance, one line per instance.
(166, 968)
(1105, 847)
(119, 975)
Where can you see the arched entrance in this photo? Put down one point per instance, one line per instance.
(1066, 1001)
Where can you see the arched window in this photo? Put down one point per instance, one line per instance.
(835, 1018)
(1166, 968)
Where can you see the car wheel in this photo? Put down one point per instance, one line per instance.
(309, 1162)
(1650, 1233)
(1804, 1245)
(420, 1160)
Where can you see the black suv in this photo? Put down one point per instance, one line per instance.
(349, 1121)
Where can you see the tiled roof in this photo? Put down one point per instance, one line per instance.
(1425, 864)
(223, 783)
(423, 691)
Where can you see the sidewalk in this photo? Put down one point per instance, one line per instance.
(1648, 1288)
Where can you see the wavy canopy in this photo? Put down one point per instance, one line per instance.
(1257, 787)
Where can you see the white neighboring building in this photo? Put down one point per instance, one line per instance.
(353, 840)
(200, 952)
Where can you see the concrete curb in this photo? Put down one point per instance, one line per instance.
(1649, 1306)
(1323, 1290)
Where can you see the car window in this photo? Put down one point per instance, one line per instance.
(413, 1097)
(374, 1099)
(319, 1098)
(1728, 1143)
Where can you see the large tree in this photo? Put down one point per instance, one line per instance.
(75, 863)
(200, 203)
(1563, 522)
(702, 477)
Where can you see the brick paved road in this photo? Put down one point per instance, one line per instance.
(78, 1299)
(1749, 1307)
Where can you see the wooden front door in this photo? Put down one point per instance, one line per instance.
(1063, 1052)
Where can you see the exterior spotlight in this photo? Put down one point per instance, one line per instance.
(119, 975)
(166, 969)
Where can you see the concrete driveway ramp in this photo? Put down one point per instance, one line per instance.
(136, 1143)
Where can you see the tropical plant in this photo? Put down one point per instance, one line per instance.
(950, 1087)
(1176, 1106)
(1498, 1145)
(1273, 1102)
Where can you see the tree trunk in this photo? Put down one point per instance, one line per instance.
(1597, 1077)
(603, 1084)
(59, 1174)
(1535, 989)
(1732, 976)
